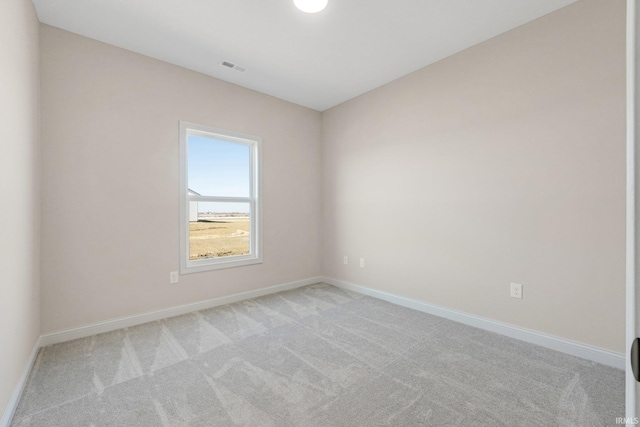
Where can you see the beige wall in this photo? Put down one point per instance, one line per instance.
(503, 163)
(111, 188)
(19, 191)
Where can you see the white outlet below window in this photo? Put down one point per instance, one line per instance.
(516, 290)
(173, 277)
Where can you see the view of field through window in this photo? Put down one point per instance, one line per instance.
(218, 169)
(219, 234)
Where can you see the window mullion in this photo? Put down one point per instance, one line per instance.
(223, 199)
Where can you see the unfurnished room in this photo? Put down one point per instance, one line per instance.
(319, 213)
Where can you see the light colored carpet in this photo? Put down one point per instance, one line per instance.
(314, 356)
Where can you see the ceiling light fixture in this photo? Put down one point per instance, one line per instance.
(310, 6)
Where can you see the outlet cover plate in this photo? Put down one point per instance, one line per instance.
(173, 277)
(516, 290)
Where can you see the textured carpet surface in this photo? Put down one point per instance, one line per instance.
(314, 356)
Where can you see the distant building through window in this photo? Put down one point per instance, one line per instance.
(193, 206)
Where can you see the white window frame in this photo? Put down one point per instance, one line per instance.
(254, 199)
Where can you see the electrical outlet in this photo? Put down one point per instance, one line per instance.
(362, 262)
(346, 260)
(516, 290)
(173, 277)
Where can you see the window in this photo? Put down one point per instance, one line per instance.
(220, 209)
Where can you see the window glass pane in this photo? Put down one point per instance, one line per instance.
(221, 230)
(218, 168)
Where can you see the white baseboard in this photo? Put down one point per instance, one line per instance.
(584, 351)
(138, 319)
(606, 357)
(10, 410)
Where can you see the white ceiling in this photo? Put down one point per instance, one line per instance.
(316, 60)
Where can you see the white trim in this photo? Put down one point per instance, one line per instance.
(254, 200)
(584, 351)
(138, 319)
(10, 410)
(631, 387)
